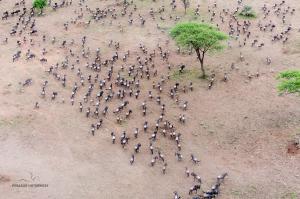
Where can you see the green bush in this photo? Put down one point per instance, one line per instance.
(39, 4)
(290, 81)
(247, 12)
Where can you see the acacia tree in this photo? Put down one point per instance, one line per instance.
(290, 81)
(186, 4)
(201, 37)
(39, 4)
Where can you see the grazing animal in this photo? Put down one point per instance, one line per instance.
(194, 159)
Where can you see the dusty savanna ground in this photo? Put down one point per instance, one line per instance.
(241, 127)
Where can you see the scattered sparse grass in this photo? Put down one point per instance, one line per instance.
(16, 121)
(297, 45)
(294, 195)
(190, 12)
(123, 123)
(187, 74)
(290, 195)
(4, 123)
(292, 48)
(190, 15)
(10, 123)
(290, 81)
(236, 193)
(164, 27)
(142, 3)
(145, 1)
(244, 192)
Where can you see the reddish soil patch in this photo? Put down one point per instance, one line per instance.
(293, 148)
(4, 179)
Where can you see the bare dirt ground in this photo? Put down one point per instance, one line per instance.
(242, 126)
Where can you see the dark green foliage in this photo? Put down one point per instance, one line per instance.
(202, 36)
(290, 81)
(247, 12)
(39, 4)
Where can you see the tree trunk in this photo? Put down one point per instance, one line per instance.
(200, 56)
(40, 12)
(202, 68)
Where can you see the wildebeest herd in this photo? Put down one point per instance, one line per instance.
(115, 89)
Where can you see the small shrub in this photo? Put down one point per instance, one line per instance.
(290, 81)
(247, 12)
(39, 4)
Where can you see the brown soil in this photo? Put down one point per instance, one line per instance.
(241, 126)
(293, 148)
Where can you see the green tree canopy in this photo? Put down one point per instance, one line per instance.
(201, 37)
(290, 81)
(40, 4)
